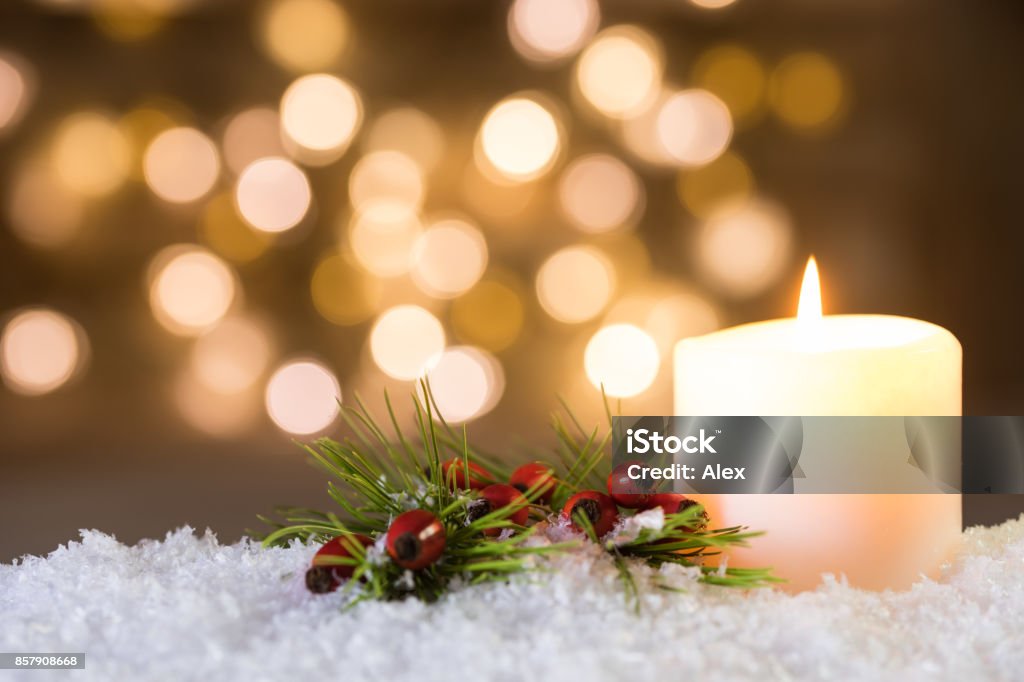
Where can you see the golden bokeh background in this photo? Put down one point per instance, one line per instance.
(218, 218)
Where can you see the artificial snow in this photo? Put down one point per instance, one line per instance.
(190, 608)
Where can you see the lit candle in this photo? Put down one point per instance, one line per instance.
(830, 365)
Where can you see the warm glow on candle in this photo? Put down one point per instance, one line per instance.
(809, 308)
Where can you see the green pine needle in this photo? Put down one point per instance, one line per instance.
(376, 475)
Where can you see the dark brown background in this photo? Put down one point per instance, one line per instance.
(913, 207)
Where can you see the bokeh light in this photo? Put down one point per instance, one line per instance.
(619, 73)
(640, 135)
(190, 289)
(406, 341)
(806, 91)
(695, 127)
(15, 90)
(385, 177)
(90, 155)
(519, 138)
(302, 397)
(736, 76)
(143, 123)
(222, 229)
(551, 30)
(42, 212)
(466, 383)
(409, 131)
(725, 180)
(214, 413)
(342, 292)
(273, 195)
(599, 193)
(40, 350)
(250, 135)
(623, 359)
(129, 21)
(449, 258)
(712, 4)
(304, 35)
(491, 314)
(320, 114)
(501, 202)
(383, 238)
(744, 248)
(181, 165)
(232, 356)
(575, 284)
(667, 311)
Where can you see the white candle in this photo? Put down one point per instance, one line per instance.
(832, 365)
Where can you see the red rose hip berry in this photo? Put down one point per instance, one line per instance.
(454, 474)
(673, 503)
(324, 576)
(496, 496)
(415, 539)
(537, 476)
(629, 492)
(599, 509)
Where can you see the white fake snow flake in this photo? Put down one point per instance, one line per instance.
(189, 608)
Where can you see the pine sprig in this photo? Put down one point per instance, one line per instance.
(376, 475)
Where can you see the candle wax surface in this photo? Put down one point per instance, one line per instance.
(836, 365)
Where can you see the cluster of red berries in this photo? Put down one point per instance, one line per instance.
(416, 539)
(602, 511)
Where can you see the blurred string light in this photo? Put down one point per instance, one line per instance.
(502, 202)
(551, 30)
(623, 359)
(519, 139)
(215, 413)
(449, 258)
(640, 135)
(40, 351)
(232, 356)
(342, 292)
(251, 134)
(181, 165)
(744, 248)
(303, 35)
(620, 71)
(42, 212)
(575, 284)
(388, 177)
(694, 127)
(90, 154)
(736, 76)
(667, 312)
(491, 314)
(703, 190)
(406, 341)
(302, 397)
(142, 124)
(409, 131)
(223, 230)
(466, 383)
(383, 238)
(273, 195)
(190, 289)
(711, 4)
(806, 92)
(599, 193)
(131, 20)
(320, 114)
(15, 90)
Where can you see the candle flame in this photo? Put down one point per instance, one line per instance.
(809, 308)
